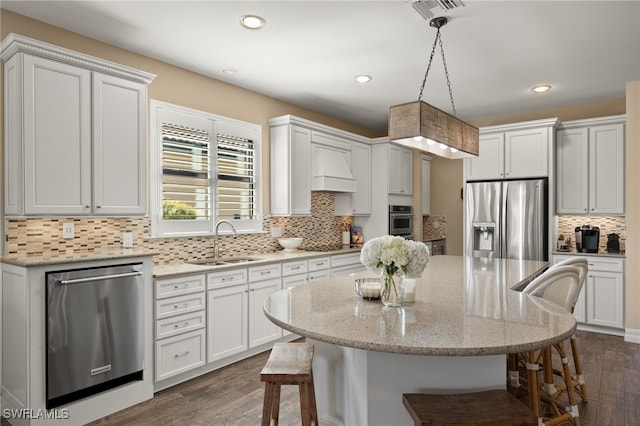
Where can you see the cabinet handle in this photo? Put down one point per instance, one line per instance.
(185, 305)
(87, 206)
(265, 272)
(227, 279)
(186, 324)
(295, 267)
(185, 353)
(320, 264)
(97, 207)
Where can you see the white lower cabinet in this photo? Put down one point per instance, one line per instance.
(227, 314)
(319, 268)
(600, 306)
(179, 325)
(348, 263)
(261, 329)
(235, 320)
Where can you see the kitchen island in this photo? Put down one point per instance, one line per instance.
(455, 337)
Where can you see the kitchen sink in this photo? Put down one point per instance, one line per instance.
(228, 261)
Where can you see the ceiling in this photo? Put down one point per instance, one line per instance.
(309, 52)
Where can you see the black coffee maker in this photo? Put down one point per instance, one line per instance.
(613, 243)
(587, 239)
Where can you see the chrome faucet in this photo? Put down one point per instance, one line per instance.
(216, 249)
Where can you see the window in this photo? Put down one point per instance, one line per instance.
(205, 168)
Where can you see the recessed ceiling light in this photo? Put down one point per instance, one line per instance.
(229, 71)
(363, 78)
(253, 22)
(542, 88)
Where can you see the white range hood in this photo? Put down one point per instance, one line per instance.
(331, 171)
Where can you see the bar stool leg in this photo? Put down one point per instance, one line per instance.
(567, 377)
(577, 363)
(275, 410)
(532, 379)
(267, 406)
(313, 406)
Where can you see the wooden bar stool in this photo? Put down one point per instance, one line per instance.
(289, 364)
(488, 408)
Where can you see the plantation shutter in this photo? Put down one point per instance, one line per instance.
(236, 172)
(186, 182)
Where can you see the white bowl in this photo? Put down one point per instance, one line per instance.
(290, 244)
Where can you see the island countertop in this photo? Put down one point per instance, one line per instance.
(464, 307)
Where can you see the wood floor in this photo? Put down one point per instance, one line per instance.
(233, 395)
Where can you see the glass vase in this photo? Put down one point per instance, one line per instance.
(390, 294)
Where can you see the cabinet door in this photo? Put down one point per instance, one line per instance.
(572, 171)
(605, 299)
(290, 171)
(580, 308)
(361, 170)
(426, 185)
(119, 146)
(261, 329)
(394, 160)
(406, 171)
(606, 167)
(57, 138)
(526, 153)
(227, 313)
(490, 161)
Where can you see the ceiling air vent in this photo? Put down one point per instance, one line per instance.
(429, 9)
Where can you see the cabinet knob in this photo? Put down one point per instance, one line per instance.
(87, 206)
(97, 207)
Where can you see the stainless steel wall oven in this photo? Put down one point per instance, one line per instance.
(94, 331)
(401, 221)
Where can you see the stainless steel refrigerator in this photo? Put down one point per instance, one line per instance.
(507, 219)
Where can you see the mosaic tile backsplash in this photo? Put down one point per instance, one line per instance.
(43, 236)
(434, 227)
(607, 225)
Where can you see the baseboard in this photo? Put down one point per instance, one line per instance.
(631, 335)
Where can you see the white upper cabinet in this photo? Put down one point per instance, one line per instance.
(399, 170)
(514, 151)
(590, 166)
(75, 133)
(290, 170)
(119, 146)
(307, 156)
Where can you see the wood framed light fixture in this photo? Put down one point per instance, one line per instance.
(422, 126)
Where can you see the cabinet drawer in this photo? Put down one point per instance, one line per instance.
(178, 286)
(319, 275)
(294, 268)
(259, 273)
(179, 324)
(178, 354)
(319, 263)
(294, 280)
(345, 259)
(166, 308)
(606, 265)
(226, 278)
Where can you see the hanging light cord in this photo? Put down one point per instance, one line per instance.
(437, 41)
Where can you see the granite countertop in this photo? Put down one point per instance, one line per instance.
(600, 253)
(71, 256)
(464, 306)
(168, 270)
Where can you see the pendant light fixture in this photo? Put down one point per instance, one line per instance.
(422, 126)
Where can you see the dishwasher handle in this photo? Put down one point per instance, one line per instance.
(99, 278)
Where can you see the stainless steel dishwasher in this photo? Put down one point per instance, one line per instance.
(95, 331)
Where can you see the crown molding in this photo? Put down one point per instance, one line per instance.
(15, 43)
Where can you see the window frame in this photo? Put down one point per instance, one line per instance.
(215, 124)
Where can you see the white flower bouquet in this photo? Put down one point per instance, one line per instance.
(394, 255)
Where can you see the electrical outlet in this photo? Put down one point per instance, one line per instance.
(68, 230)
(127, 239)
